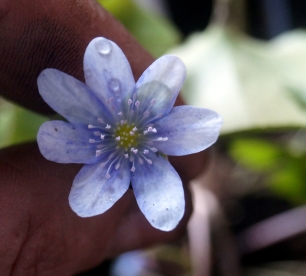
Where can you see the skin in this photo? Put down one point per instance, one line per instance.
(39, 234)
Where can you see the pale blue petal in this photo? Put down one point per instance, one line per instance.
(69, 97)
(189, 130)
(66, 143)
(155, 99)
(92, 193)
(159, 193)
(108, 72)
(166, 73)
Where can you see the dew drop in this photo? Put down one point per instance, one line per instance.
(87, 73)
(103, 47)
(115, 86)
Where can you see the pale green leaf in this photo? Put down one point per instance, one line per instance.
(17, 124)
(247, 81)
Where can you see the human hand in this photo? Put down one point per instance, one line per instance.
(40, 235)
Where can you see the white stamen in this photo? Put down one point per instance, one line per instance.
(147, 159)
(126, 155)
(107, 175)
(152, 129)
(153, 149)
(132, 133)
(102, 136)
(146, 151)
(137, 103)
(98, 153)
(118, 138)
(129, 101)
(145, 132)
(162, 139)
(135, 151)
(117, 166)
(91, 141)
(91, 126)
(120, 113)
(133, 169)
(108, 126)
(135, 129)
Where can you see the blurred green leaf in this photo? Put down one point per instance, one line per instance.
(153, 31)
(289, 182)
(244, 79)
(6, 117)
(284, 172)
(255, 154)
(17, 124)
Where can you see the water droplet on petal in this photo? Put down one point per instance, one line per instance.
(115, 86)
(87, 72)
(103, 46)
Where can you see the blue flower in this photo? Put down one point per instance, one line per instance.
(123, 131)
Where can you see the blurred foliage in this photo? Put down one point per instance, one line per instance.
(251, 83)
(17, 124)
(259, 155)
(282, 164)
(153, 31)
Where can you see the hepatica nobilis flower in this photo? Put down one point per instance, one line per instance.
(123, 131)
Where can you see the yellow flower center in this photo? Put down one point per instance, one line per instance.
(127, 136)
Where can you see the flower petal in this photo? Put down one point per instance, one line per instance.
(169, 73)
(155, 99)
(92, 193)
(188, 129)
(107, 71)
(159, 193)
(66, 143)
(69, 97)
